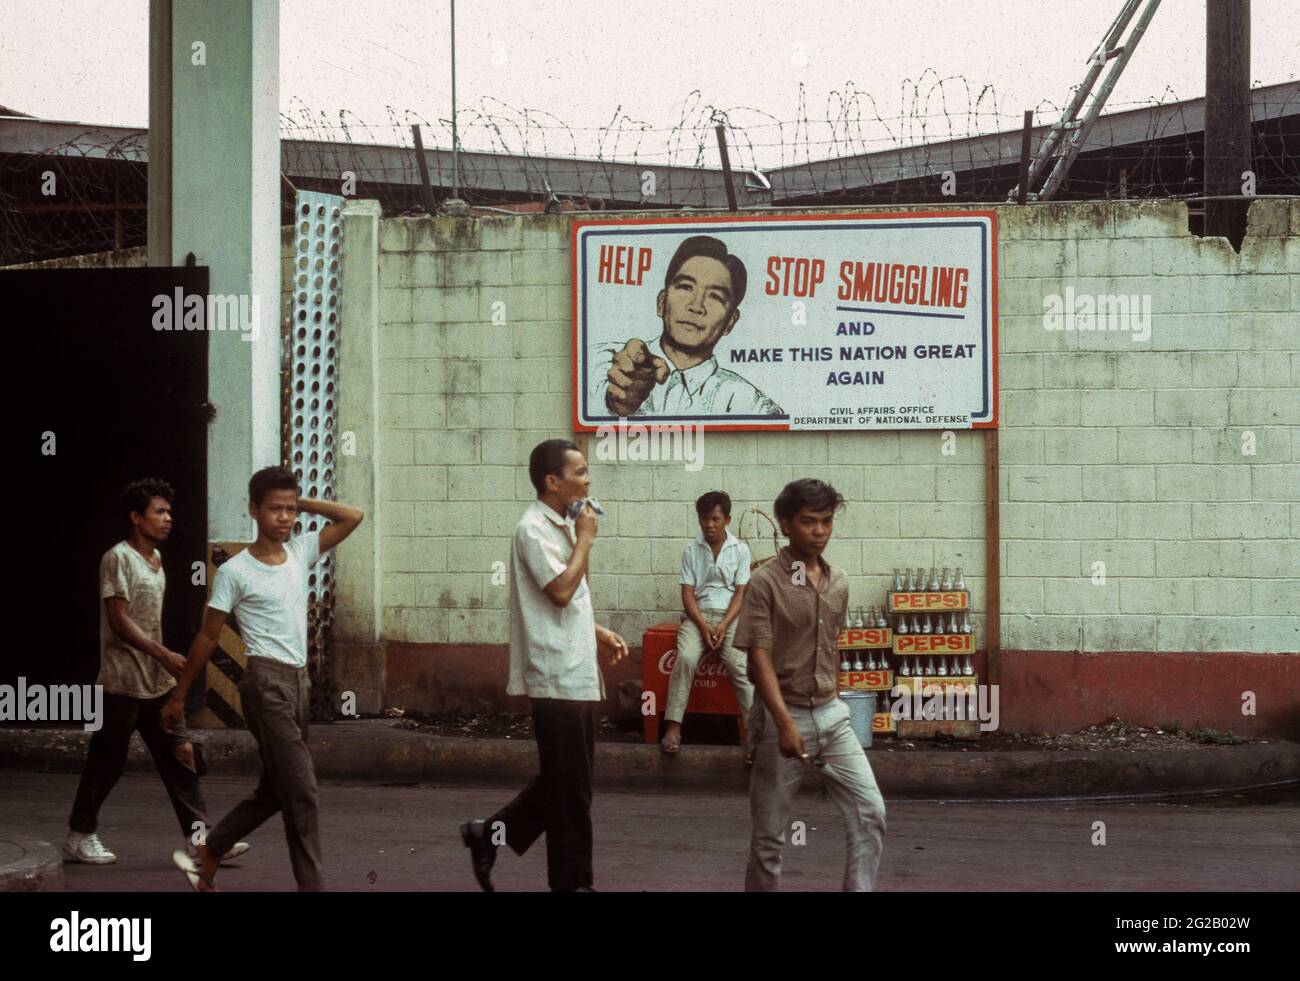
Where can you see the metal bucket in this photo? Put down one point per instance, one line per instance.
(862, 707)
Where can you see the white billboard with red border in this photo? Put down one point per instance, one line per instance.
(788, 322)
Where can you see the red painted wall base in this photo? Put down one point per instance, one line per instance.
(1040, 691)
(465, 678)
(1063, 691)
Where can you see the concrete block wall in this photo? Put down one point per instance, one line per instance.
(133, 258)
(474, 370)
(1150, 521)
(1113, 450)
(1172, 460)
(138, 257)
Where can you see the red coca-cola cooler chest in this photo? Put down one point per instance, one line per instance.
(711, 690)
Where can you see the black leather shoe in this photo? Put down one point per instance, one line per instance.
(482, 853)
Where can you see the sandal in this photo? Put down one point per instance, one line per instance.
(192, 872)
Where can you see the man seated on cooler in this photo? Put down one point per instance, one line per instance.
(715, 569)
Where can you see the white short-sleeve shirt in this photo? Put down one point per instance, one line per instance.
(269, 602)
(552, 648)
(715, 581)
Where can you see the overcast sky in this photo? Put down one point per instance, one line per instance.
(586, 62)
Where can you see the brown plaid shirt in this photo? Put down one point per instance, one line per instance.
(797, 625)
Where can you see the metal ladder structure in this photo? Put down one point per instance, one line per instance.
(1066, 138)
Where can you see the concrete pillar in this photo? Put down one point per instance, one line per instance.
(159, 213)
(358, 655)
(216, 193)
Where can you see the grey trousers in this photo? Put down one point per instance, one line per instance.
(276, 704)
(775, 780)
(690, 648)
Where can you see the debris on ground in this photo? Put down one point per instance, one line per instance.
(1113, 735)
(491, 725)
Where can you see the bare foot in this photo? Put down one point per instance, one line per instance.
(672, 740)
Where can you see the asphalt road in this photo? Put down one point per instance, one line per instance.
(394, 838)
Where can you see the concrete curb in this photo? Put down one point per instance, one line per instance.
(29, 865)
(372, 750)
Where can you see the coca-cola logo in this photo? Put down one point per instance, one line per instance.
(708, 667)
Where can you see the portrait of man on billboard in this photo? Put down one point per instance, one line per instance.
(677, 373)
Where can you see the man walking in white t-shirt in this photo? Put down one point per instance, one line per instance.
(265, 588)
(554, 641)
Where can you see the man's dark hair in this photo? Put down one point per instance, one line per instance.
(138, 493)
(714, 248)
(548, 458)
(713, 499)
(270, 479)
(810, 493)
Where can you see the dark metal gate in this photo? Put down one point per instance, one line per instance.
(103, 397)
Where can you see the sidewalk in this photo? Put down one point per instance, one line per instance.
(29, 865)
(373, 750)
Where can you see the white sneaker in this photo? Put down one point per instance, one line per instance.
(237, 849)
(87, 849)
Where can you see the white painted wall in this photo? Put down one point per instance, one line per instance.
(1113, 451)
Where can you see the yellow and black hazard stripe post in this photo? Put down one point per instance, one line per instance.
(225, 669)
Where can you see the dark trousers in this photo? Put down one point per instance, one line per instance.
(558, 801)
(106, 759)
(276, 702)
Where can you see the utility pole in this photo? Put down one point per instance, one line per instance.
(455, 136)
(452, 205)
(1227, 114)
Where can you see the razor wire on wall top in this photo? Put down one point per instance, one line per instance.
(940, 118)
(86, 191)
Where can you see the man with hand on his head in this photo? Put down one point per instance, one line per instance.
(264, 588)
